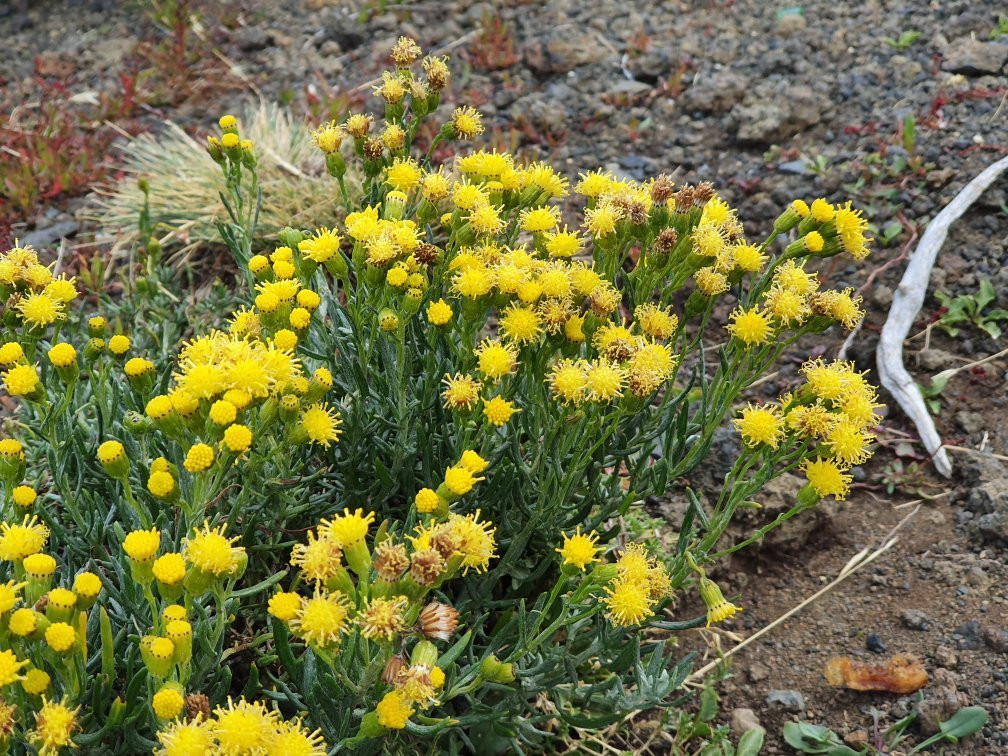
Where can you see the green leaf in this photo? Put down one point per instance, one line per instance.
(751, 743)
(708, 705)
(964, 722)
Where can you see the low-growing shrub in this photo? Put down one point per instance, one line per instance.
(380, 505)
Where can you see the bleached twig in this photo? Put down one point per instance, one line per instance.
(907, 301)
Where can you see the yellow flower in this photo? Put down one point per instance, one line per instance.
(238, 438)
(21, 380)
(212, 552)
(473, 462)
(594, 183)
(9, 595)
(403, 174)
(161, 483)
(119, 344)
(468, 122)
(284, 606)
(382, 619)
(760, 425)
(186, 738)
(199, 457)
(563, 244)
(321, 423)
(223, 412)
(391, 89)
(627, 602)
(603, 380)
(169, 569)
(496, 359)
(291, 739)
(849, 442)
(393, 711)
(656, 322)
(60, 637)
(320, 558)
(87, 585)
(328, 137)
(601, 220)
(786, 305)
(36, 682)
(242, 727)
(168, 702)
(321, 619)
(40, 309)
(55, 724)
(475, 540)
(498, 410)
(567, 380)
(748, 258)
(827, 478)
(10, 667)
(822, 210)
(39, 566)
(710, 281)
(439, 313)
(142, 545)
(137, 367)
(10, 353)
(460, 480)
(519, 324)
(613, 341)
(718, 607)
(579, 550)
(18, 541)
(540, 219)
(460, 392)
(851, 229)
(24, 496)
(349, 528)
(62, 355)
(473, 281)
(426, 500)
(23, 622)
(791, 275)
(751, 327)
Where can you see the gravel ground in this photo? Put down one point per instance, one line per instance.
(896, 105)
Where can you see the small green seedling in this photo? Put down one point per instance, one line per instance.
(806, 737)
(970, 309)
(903, 41)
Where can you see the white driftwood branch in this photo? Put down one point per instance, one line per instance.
(907, 301)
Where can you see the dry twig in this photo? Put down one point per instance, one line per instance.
(907, 301)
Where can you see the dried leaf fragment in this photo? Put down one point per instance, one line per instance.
(900, 674)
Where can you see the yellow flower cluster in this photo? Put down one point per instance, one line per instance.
(641, 582)
(240, 727)
(40, 621)
(39, 299)
(834, 410)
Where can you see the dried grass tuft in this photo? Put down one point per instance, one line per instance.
(185, 185)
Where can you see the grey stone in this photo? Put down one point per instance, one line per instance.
(996, 640)
(743, 720)
(715, 93)
(788, 700)
(915, 619)
(791, 23)
(629, 87)
(768, 117)
(974, 58)
(252, 38)
(938, 705)
(799, 167)
(43, 237)
(565, 52)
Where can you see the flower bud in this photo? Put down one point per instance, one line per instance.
(494, 670)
